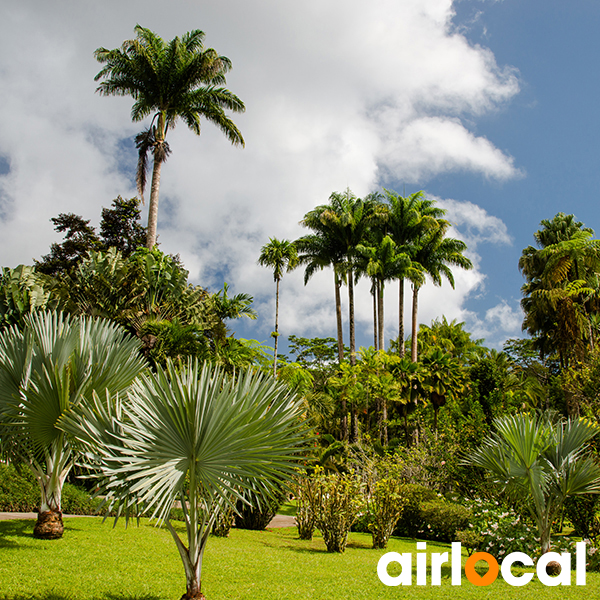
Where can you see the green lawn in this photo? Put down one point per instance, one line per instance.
(96, 562)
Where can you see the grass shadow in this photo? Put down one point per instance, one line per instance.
(61, 596)
(17, 528)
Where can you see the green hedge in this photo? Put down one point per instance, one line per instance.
(19, 492)
(441, 520)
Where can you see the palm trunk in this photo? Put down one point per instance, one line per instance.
(374, 294)
(49, 525)
(338, 315)
(401, 350)
(413, 347)
(340, 332)
(276, 329)
(380, 329)
(153, 206)
(351, 310)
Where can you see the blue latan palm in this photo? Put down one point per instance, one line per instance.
(196, 436)
(540, 463)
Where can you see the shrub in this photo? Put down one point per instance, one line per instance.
(306, 487)
(581, 511)
(502, 529)
(224, 522)
(443, 519)
(470, 539)
(410, 521)
(77, 501)
(384, 508)
(257, 515)
(19, 491)
(338, 502)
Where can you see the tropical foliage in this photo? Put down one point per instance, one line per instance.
(196, 436)
(50, 369)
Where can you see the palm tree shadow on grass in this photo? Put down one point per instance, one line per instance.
(61, 596)
(17, 528)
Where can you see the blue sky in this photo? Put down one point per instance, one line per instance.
(488, 106)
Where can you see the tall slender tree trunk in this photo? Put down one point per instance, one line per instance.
(413, 348)
(276, 328)
(153, 206)
(351, 310)
(375, 321)
(338, 317)
(380, 325)
(401, 350)
(340, 333)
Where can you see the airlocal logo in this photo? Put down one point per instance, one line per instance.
(438, 559)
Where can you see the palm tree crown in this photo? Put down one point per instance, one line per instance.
(280, 255)
(180, 79)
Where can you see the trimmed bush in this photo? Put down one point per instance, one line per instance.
(20, 492)
(443, 519)
(410, 522)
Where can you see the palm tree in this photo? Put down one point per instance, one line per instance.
(408, 218)
(562, 287)
(177, 80)
(46, 372)
(433, 254)
(194, 436)
(540, 464)
(280, 255)
(381, 260)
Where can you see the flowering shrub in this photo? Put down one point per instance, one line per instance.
(502, 530)
(338, 501)
(305, 489)
(384, 508)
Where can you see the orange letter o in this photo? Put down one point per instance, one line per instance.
(472, 574)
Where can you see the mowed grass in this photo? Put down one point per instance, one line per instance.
(96, 562)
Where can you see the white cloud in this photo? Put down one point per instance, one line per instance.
(338, 94)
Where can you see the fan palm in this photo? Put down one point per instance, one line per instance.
(280, 255)
(196, 436)
(180, 79)
(46, 371)
(540, 464)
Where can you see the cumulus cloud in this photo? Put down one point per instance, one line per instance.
(338, 94)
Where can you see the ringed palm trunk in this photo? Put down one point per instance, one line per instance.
(375, 320)
(276, 329)
(401, 350)
(338, 316)
(340, 333)
(413, 348)
(153, 207)
(380, 331)
(351, 312)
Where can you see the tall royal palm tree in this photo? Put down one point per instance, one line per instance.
(180, 79)
(435, 253)
(408, 218)
(279, 255)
